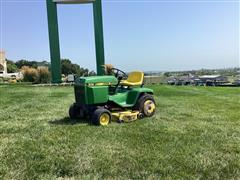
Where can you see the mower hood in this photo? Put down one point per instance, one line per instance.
(97, 80)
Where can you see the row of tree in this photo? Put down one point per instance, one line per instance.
(67, 67)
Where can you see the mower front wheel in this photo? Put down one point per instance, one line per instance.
(101, 116)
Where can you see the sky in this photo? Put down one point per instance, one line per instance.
(148, 35)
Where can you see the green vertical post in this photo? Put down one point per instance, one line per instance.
(54, 41)
(99, 42)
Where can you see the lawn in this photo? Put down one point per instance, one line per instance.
(195, 134)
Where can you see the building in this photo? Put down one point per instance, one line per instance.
(213, 80)
(237, 82)
(153, 79)
(3, 63)
(181, 80)
(3, 68)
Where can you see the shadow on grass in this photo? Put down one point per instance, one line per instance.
(68, 121)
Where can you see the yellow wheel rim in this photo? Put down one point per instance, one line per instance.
(104, 119)
(149, 107)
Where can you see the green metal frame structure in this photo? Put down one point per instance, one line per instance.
(54, 35)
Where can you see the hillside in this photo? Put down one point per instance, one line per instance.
(195, 134)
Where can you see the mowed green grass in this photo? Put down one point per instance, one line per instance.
(195, 134)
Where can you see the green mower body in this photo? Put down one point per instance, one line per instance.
(102, 89)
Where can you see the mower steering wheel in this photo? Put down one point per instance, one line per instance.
(119, 74)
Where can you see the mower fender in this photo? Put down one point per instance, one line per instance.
(129, 98)
(138, 93)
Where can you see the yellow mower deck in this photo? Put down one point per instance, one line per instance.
(125, 116)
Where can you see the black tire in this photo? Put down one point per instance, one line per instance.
(140, 105)
(74, 111)
(97, 115)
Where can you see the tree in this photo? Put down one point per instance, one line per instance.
(11, 67)
(33, 64)
(167, 74)
(69, 68)
(22, 63)
(83, 72)
(91, 73)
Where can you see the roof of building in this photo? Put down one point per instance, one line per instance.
(210, 76)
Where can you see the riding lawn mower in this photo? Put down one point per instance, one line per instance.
(118, 97)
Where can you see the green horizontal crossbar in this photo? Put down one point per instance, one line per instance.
(73, 1)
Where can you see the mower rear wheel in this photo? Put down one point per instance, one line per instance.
(74, 111)
(101, 117)
(146, 105)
